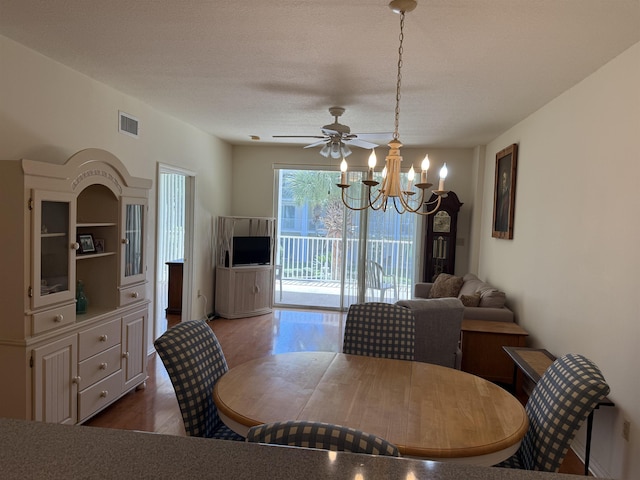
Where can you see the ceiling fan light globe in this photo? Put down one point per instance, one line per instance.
(335, 150)
(346, 151)
(326, 150)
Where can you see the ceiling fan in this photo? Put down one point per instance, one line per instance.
(336, 138)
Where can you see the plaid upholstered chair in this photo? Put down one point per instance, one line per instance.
(380, 330)
(321, 435)
(438, 325)
(194, 360)
(561, 400)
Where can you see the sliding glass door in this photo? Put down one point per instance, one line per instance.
(328, 256)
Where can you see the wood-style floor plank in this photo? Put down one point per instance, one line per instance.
(155, 408)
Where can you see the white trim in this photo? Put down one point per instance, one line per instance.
(165, 168)
(291, 166)
(330, 168)
(187, 280)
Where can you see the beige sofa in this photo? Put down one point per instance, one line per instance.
(490, 301)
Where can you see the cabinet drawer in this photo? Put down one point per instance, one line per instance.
(131, 295)
(54, 318)
(92, 399)
(99, 366)
(99, 338)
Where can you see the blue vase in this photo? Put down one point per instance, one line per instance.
(81, 299)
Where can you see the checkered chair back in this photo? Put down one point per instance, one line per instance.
(194, 360)
(380, 330)
(563, 398)
(321, 435)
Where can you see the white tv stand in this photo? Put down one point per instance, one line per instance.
(246, 290)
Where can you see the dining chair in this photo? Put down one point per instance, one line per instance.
(326, 436)
(377, 329)
(438, 326)
(377, 279)
(562, 399)
(194, 361)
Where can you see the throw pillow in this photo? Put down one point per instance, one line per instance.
(470, 300)
(446, 286)
(492, 297)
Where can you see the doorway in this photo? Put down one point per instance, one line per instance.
(174, 244)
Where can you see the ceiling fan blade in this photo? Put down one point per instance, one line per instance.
(297, 136)
(329, 132)
(361, 143)
(315, 144)
(386, 136)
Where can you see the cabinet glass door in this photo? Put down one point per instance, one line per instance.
(53, 272)
(132, 268)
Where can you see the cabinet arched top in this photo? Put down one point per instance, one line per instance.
(88, 167)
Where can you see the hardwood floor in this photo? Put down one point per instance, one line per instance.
(155, 408)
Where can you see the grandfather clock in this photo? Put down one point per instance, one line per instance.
(440, 239)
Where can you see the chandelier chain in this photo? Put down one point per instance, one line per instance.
(399, 79)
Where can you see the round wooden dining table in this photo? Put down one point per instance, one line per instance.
(426, 410)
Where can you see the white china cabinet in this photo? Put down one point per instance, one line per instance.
(68, 228)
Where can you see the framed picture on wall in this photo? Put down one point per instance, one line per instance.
(504, 193)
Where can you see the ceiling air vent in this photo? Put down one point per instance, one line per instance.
(128, 124)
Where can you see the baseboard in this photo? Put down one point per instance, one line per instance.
(595, 468)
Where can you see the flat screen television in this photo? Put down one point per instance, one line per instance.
(251, 251)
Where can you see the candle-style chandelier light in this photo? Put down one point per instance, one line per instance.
(392, 190)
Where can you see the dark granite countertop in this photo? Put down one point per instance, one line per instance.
(33, 450)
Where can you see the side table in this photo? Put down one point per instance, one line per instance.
(532, 363)
(481, 344)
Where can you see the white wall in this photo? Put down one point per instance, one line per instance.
(571, 270)
(253, 176)
(48, 112)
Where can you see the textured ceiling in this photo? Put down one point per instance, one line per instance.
(472, 68)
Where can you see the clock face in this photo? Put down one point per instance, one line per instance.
(442, 222)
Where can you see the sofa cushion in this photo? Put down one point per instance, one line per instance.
(471, 284)
(472, 300)
(492, 297)
(446, 285)
(489, 296)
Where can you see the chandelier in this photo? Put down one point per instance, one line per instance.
(391, 191)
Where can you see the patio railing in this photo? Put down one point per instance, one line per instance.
(320, 259)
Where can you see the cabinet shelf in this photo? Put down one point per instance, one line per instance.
(95, 224)
(53, 235)
(85, 256)
(93, 312)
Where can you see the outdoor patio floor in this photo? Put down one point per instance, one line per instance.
(320, 294)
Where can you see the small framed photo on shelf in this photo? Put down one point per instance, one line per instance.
(99, 244)
(86, 243)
